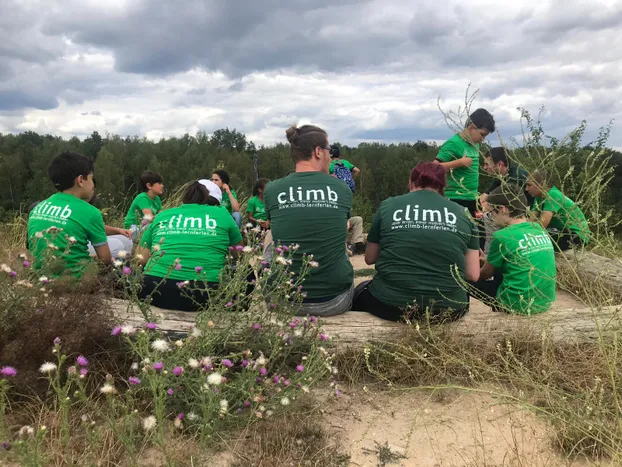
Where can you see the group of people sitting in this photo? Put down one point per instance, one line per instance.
(428, 245)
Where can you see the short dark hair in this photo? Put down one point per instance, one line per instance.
(196, 193)
(66, 167)
(498, 154)
(510, 196)
(542, 178)
(149, 177)
(259, 184)
(304, 140)
(224, 176)
(334, 151)
(483, 120)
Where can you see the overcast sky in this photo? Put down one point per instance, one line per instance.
(365, 70)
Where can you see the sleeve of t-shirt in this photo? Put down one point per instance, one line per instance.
(550, 204)
(349, 165)
(474, 240)
(447, 153)
(235, 236)
(250, 207)
(147, 238)
(495, 255)
(95, 229)
(142, 202)
(235, 195)
(374, 231)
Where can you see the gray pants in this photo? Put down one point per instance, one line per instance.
(337, 306)
(116, 243)
(355, 234)
(490, 227)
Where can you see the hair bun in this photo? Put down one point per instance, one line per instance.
(292, 133)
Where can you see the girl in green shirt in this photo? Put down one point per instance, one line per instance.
(196, 237)
(256, 209)
(229, 196)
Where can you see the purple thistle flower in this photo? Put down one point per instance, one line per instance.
(180, 416)
(151, 326)
(263, 371)
(275, 380)
(285, 248)
(178, 267)
(82, 361)
(239, 247)
(13, 274)
(6, 445)
(259, 380)
(177, 371)
(313, 319)
(247, 404)
(244, 363)
(57, 341)
(133, 380)
(84, 372)
(158, 366)
(170, 392)
(229, 304)
(208, 367)
(180, 285)
(323, 337)
(216, 390)
(8, 371)
(272, 306)
(256, 326)
(127, 270)
(198, 269)
(299, 386)
(226, 362)
(337, 393)
(264, 263)
(116, 331)
(287, 382)
(300, 368)
(293, 325)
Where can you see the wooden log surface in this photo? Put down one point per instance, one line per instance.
(593, 267)
(357, 328)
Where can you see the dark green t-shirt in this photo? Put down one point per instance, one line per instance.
(525, 255)
(462, 183)
(199, 235)
(226, 202)
(80, 222)
(257, 208)
(423, 238)
(516, 176)
(312, 209)
(566, 214)
(135, 213)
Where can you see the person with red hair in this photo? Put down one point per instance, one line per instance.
(424, 247)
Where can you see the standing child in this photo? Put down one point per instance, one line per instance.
(147, 204)
(256, 209)
(342, 169)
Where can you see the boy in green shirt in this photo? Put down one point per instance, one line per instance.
(147, 204)
(522, 253)
(459, 156)
(61, 227)
(563, 219)
(256, 208)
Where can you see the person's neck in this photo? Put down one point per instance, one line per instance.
(151, 194)
(73, 191)
(423, 189)
(517, 220)
(306, 166)
(464, 134)
(260, 196)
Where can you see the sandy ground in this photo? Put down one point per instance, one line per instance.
(447, 428)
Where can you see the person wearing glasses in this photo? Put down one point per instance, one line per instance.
(310, 208)
(523, 253)
(230, 197)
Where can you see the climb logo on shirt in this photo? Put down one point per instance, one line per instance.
(50, 212)
(308, 198)
(415, 217)
(187, 225)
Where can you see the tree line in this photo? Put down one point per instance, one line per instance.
(384, 167)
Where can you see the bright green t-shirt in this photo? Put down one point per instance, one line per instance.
(257, 208)
(135, 213)
(423, 238)
(347, 164)
(80, 223)
(463, 182)
(525, 256)
(199, 235)
(226, 202)
(312, 209)
(566, 214)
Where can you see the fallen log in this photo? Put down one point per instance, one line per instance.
(590, 269)
(356, 328)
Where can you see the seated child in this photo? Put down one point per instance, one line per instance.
(61, 227)
(230, 197)
(563, 219)
(256, 209)
(146, 205)
(523, 254)
(196, 237)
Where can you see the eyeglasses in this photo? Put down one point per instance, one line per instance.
(328, 148)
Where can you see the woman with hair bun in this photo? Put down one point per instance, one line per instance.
(424, 247)
(196, 237)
